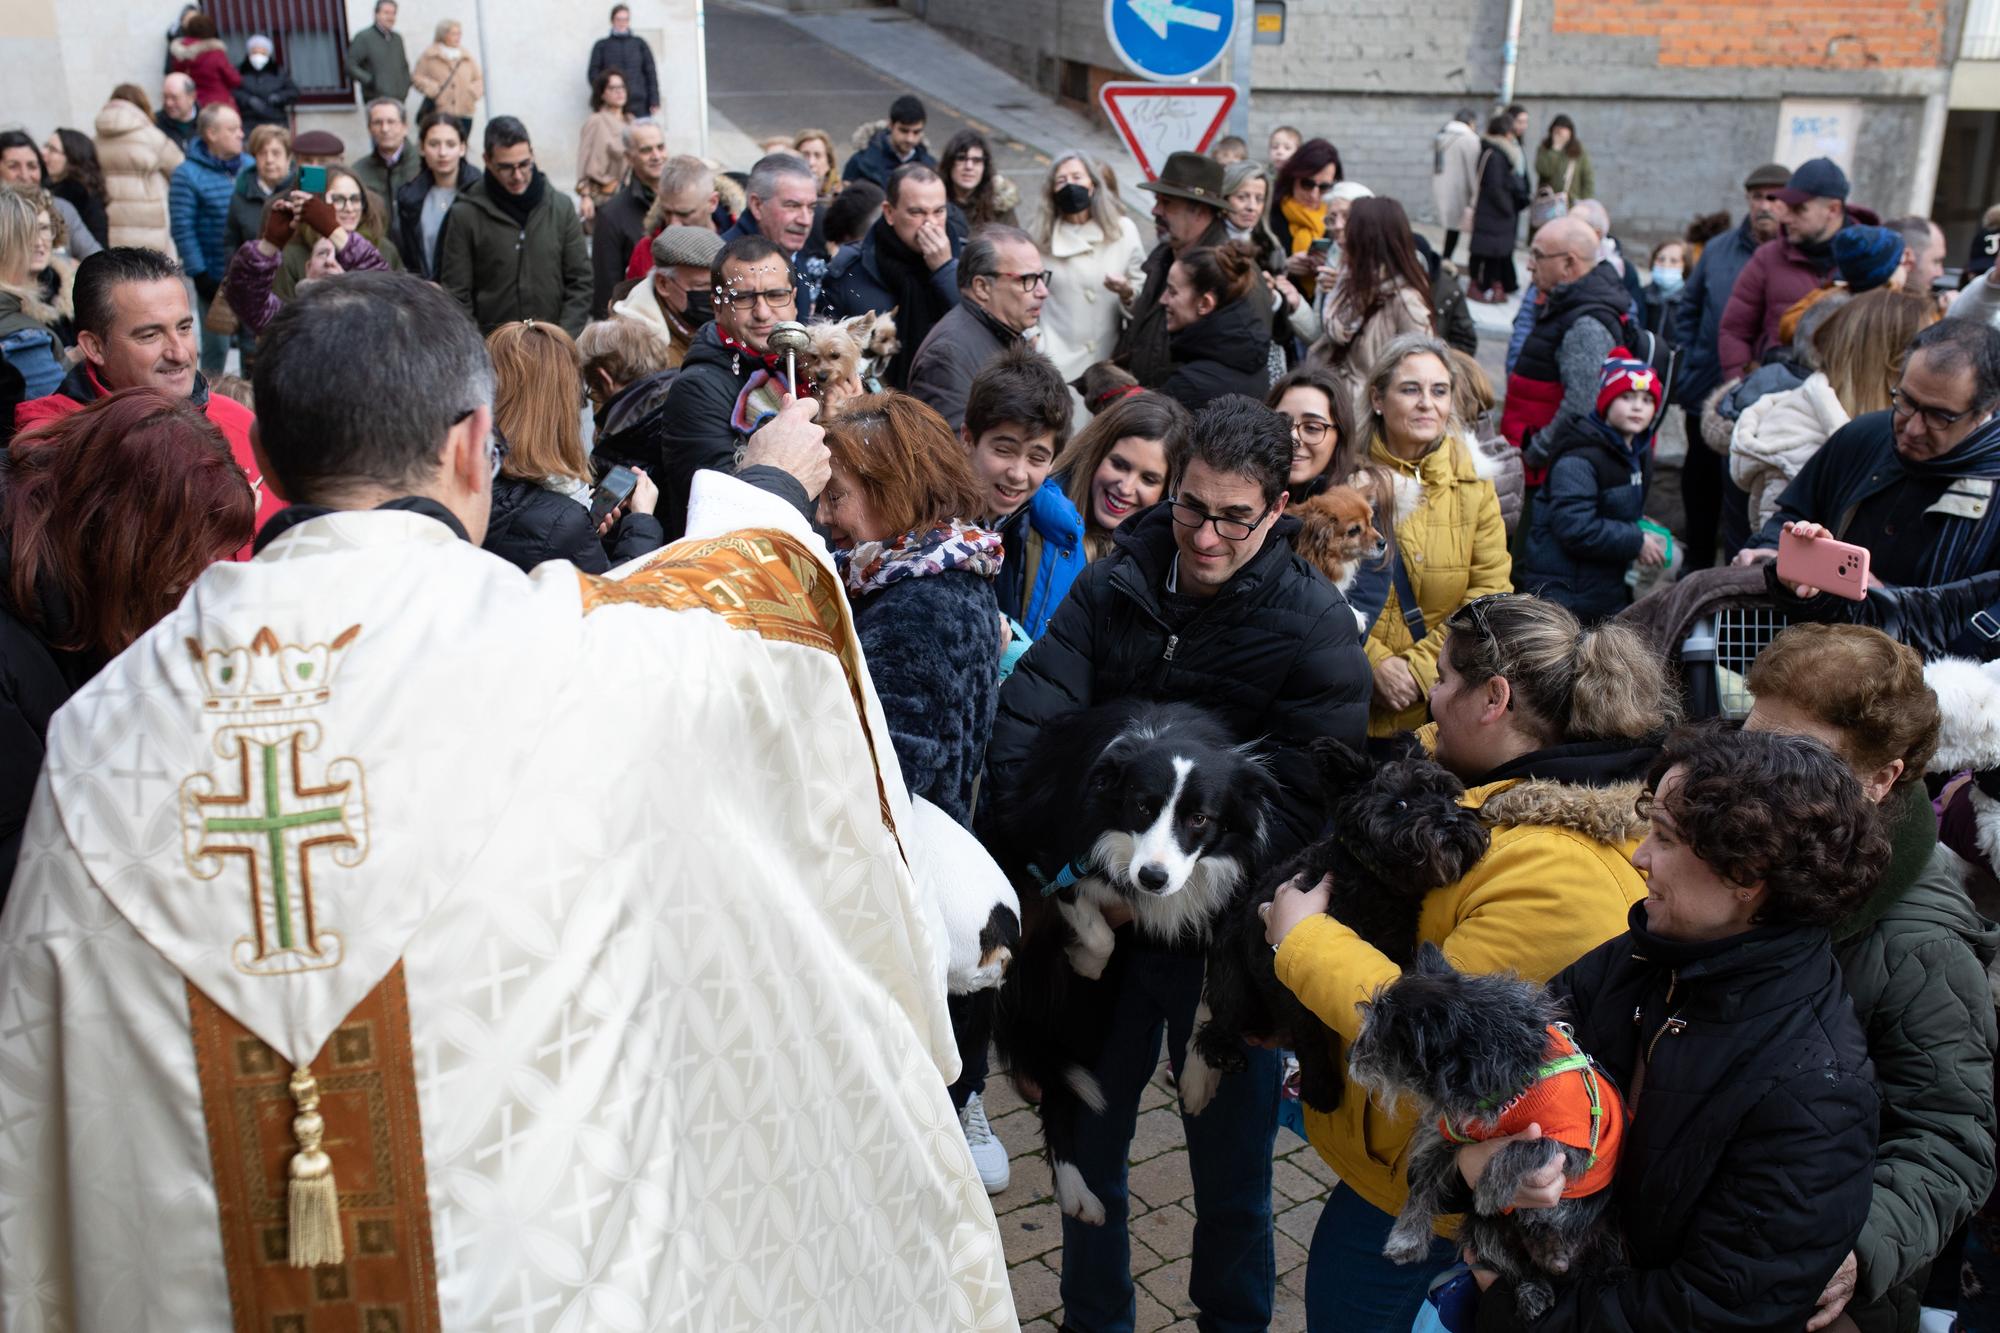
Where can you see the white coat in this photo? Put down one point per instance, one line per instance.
(1081, 318)
(1775, 437)
(1455, 175)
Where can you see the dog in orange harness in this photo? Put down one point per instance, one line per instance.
(1488, 1056)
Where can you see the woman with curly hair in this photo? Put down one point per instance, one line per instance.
(1914, 954)
(1746, 1172)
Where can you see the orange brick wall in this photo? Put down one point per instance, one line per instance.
(1798, 34)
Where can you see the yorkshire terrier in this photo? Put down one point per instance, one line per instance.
(1399, 832)
(1485, 1055)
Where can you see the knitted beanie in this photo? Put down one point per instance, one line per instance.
(1866, 256)
(1624, 373)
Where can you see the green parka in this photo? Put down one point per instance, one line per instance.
(1914, 956)
(501, 270)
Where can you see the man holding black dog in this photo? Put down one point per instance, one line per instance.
(1202, 602)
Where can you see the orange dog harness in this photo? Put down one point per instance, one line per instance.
(1573, 1103)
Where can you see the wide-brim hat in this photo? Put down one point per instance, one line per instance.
(1193, 177)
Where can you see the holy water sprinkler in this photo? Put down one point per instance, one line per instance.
(791, 338)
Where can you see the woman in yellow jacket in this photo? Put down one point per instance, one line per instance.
(1450, 539)
(1551, 727)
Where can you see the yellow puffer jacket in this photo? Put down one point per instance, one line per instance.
(1454, 544)
(1556, 883)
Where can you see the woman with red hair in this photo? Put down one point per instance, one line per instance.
(107, 515)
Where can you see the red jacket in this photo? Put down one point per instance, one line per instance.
(207, 63)
(81, 387)
(1778, 274)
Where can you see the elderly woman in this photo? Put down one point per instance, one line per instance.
(1551, 727)
(1747, 1168)
(1095, 263)
(1913, 953)
(816, 147)
(448, 77)
(899, 511)
(1450, 546)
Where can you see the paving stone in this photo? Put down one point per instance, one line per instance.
(1163, 1180)
(1158, 1131)
(1152, 1315)
(1298, 1222)
(1295, 1184)
(1041, 1326)
(1288, 1252)
(1144, 1257)
(1288, 1311)
(1309, 1161)
(1168, 1285)
(1169, 1231)
(1037, 1289)
(1028, 1232)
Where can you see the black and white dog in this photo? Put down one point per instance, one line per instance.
(1396, 831)
(1149, 806)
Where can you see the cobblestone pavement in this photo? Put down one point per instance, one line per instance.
(1162, 1214)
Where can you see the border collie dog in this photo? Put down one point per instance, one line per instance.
(1148, 806)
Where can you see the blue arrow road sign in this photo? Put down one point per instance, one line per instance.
(1169, 39)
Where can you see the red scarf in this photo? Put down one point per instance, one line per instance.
(771, 361)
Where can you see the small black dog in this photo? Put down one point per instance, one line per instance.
(1152, 806)
(1481, 1052)
(1398, 832)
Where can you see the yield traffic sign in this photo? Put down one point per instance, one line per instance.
(1169, 39)
(1156, 119)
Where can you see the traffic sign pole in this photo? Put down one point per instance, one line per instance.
(1241, 60)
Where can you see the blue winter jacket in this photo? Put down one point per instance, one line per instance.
(1055, 520)
(1704, 297)
(198, 205)
(1584, 531)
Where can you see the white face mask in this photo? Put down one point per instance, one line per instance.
(259, 60)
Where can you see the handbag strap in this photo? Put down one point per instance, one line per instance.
(1406, 598)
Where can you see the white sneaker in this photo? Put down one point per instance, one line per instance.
(989, 1155)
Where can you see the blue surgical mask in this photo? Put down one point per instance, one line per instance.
(1666, 279)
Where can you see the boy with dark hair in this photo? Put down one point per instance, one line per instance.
(1017, 419)
(898, 144)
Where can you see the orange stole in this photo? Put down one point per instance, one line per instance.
(762, 581)
(368, 1097)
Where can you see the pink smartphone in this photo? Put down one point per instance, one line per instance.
(1840, 568)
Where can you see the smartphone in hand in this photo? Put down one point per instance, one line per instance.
(1840, 568)
(614, 490)
(312, 180)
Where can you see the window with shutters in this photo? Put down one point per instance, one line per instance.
(310, 37)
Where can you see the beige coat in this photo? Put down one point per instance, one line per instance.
(455, 85)
(1081, 319)
(1353, 357)
(600, 153)
(138, 161)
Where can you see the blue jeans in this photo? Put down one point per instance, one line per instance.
(1350, 1286)
(1234, 1274)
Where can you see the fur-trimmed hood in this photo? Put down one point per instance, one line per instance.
(1603, 814)
(1968, 696)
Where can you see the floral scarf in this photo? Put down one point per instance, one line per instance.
(873, 566)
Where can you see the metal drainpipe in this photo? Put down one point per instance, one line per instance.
(1510, 51)
(701, 70)
(485, 59)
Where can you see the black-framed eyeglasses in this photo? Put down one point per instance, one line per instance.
(1311, 430)
(1030, 281)
(512, 168)
(1936, 418)
(1316, 187)
(1229, 529)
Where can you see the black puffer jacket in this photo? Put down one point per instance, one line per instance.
(1274, 654)
(1937, 622)
(1745, 1175)
(1227, 351)
(1144, 347)
(697, 424)
(933, 649)
(531, 523)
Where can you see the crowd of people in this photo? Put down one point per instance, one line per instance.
(1053, 460)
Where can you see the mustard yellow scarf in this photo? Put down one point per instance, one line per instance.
(1307, 224)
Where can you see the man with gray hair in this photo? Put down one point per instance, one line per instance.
(1001, 287)
(383, 867)
(781, 205)
(177, 110)
(390, 162)
(677, 297)
(621, 219)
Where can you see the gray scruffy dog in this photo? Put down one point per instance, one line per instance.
(1480, 1052)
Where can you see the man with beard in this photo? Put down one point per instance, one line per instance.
(908, 263)
(1812, 206)
(1189, 209)
(513, 247)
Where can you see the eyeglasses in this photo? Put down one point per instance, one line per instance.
(1029, 281)
(344, 200)
(1229, 529)
(1935, 418)
(1311, 430)
(497, 450)
(778, 298)
(521, 168)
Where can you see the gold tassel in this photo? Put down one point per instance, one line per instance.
(315, 1202)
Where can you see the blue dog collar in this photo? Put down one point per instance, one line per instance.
(1072, 873)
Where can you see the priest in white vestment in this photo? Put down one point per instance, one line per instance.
(401, 942)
